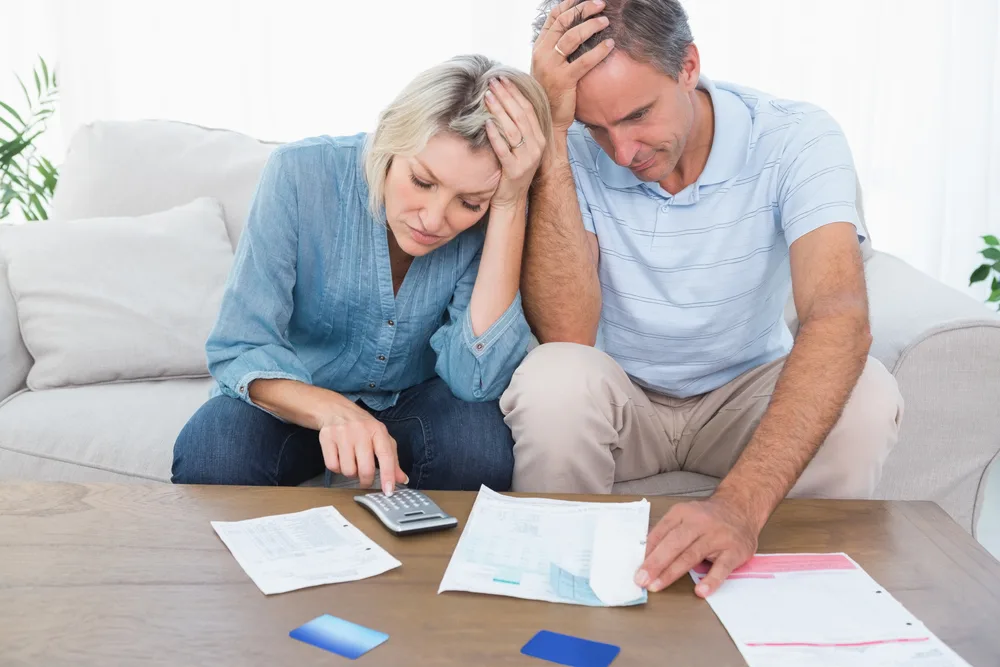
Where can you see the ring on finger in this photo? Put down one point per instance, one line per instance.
(559, 51)
(518, 144)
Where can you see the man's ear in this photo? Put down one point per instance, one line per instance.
(690, 69)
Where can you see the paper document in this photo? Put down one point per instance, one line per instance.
(807, 610)
(290, 551)
(552, 550)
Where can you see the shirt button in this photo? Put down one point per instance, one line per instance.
(242, 388)
(664, 208)
(479, 346)
(371, 385)
(391, 323)
(381, 357)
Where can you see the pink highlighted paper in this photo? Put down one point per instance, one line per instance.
(819, 609)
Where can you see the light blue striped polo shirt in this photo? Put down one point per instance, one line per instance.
(694, 285)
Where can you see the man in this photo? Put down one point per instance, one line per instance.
(678, 214)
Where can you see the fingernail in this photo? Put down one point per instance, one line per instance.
(641, 578)
(387, 489)
(489, 95)
(610, 43)
(407, 480)
(598, 3)
(701, 589)
(604, 20)
(656, 586)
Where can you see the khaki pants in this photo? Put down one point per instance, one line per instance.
(580, 424)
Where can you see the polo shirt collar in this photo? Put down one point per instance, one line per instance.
(730, 145)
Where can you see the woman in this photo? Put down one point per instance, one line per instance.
(372, 315)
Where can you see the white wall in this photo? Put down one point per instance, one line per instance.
(914, 83)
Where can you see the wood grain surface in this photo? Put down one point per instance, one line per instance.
(135, 575)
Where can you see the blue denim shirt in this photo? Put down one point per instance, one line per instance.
(310, 297)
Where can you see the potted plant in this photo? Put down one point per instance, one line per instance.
(28, 179)
(992, 253)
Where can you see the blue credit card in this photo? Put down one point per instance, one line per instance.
(572, 651)
(338, 636)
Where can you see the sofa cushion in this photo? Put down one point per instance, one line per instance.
(113, 299)
(128, 168)
(113, 432)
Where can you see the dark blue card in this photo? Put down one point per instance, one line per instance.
(571, 651)
(338, 636)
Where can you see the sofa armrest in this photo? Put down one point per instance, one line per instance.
(943, 348)
(14, 358)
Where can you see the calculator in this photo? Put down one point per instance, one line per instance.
(407, 512)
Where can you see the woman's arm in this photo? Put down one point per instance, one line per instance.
(499, 273)
(250, 338)
(487, 335)
(351, 438)
(249, 352)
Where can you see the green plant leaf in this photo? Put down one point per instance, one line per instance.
(991, 240)
(979, 274)
(9, 126)
(37, 187)
(7, 195)
(11, 149)
(994, 297)
(45, 72)
(996, 284)
(50, 176)
(992, 253)
(38, 84)
(39, 207)
(24, 88)
(13, 113)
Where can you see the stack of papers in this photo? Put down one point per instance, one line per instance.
(290, 551)
(806, 610)
(551, 550)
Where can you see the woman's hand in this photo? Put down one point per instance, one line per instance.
(352, 440)
(517, 140)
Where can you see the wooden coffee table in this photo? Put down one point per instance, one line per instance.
(122, 574)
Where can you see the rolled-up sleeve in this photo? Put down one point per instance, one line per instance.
(579, 155)
(250, 338)
(479, 368)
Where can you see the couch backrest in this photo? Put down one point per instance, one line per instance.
(140, 167)
(125, 168)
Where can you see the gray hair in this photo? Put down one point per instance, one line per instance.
(653, 31)
(449, 97)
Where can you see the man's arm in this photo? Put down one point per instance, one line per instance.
(820, 373)
(560, 290)
(818, 377)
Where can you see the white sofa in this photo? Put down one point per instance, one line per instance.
(942, 346)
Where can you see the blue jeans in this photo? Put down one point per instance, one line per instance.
(443, 443)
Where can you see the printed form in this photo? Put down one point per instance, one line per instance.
(820, 610)
(551, 550)
(286, 552)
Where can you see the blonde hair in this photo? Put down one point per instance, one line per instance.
(450, 97)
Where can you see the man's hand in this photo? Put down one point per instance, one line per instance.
(556, 41)
(715, 530)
